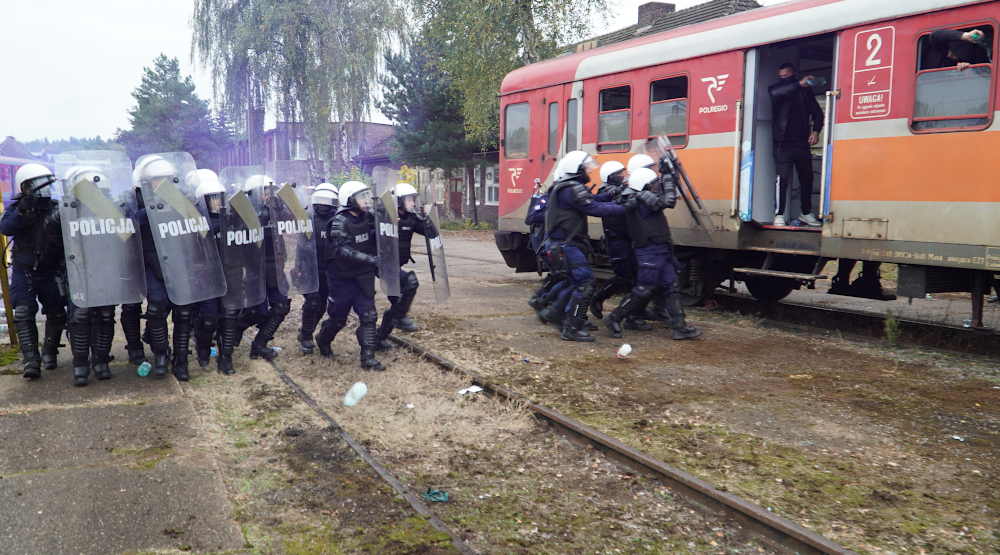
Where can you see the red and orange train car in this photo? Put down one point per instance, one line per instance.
(908, 170)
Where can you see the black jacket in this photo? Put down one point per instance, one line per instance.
(789, 96)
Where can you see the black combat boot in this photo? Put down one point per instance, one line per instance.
(608, 288)
(204, 333)
(574, 320)
(55, 323)
(327, 332)
(659, 313)
(80, 336)
(228, 336)
(259, 348)
(613, 321)
(311, 314)
(103, 335)
(131, 327)
(681, 329)
(382, 342)
(27, 336)
(366, 338)
(182, 342)
(635, 324)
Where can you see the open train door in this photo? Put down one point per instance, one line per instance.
(815, 56)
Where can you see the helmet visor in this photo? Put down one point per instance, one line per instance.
(363, 199)
(589, 165)
(408, 203)
(213, 202)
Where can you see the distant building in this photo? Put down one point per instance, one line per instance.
(287, 141)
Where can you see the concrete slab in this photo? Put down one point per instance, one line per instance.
(56, 387)
(110, 509)
(119, 434)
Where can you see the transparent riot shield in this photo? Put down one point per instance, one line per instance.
(386, 229)
(97, 207)
(294, 239)
(701, 222)
(185, 244)
(435, 247)
(241, 244)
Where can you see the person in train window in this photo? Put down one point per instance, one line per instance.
(951, 48)
(793, 105)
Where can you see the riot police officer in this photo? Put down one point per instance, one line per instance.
(650, 235)
(325, 202)
(555, 284)
(268, 315)
(410, 221)
(619, 248)
(38, 261)
(209, 191)
(350, 269)
(568, 241)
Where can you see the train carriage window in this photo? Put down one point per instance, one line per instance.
(516, 131)
(571, 125)
(668, 109)
(613, 123)
(949, 98)
(553, 129)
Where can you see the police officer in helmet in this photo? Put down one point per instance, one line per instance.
(351, 260)
(410, 221)
(38, 260)
(325, 202)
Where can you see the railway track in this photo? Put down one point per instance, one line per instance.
(924, 333)
(781, 534)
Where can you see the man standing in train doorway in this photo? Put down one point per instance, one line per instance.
(792, 105)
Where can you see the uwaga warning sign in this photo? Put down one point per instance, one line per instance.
(872, 85)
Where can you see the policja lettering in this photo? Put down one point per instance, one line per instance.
(100, 226)
(387, 230)
(184, 227)
(245, 236)
(295, 226)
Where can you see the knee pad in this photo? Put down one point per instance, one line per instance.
(230, 313)
(208, 322)
(183, 314)
(282, 307)
(588, 289)
(25, 312)
(410, 283)
(312, 305)
(105, 315)
(57, 318)
(156, 310)
(645, 292)
(81, 316)
(131, 310)
(370, 315)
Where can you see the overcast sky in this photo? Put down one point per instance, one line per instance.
(71, 65)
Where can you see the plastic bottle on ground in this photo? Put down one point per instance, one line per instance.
(144, 369)
(355, 394)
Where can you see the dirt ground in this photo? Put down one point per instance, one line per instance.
(881, 449)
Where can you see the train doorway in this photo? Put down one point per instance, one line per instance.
(758, 179)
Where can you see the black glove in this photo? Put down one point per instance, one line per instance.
(26, 203)
(648, 198)
(664, 166)
(632, 202)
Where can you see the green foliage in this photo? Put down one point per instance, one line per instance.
(487, 39)
(313, 61)
(352, 173)
(169, 117)
(892, 331)
(418, 97)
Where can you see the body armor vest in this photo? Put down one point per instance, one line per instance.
(34, 240)
(652, 229)
(362, 237)
(408, 224)
(572, 222)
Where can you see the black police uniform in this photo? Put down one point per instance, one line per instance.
(39, 265)
(315, 303)
(409, 223)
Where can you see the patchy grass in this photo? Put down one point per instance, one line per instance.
(142, 458)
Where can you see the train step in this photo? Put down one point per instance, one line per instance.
(776, 273)
(801, 252)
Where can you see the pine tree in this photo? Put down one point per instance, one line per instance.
(169, 117)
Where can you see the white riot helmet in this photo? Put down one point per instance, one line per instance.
(326, 187)
(324, 197)
(639, 161)
(406, 197)
(211, 191)
(577, 165)
(355, 195)
(79, 174)
(154, 170)
(609, 169)
(254, 187)
(34, 178)
(642, 178)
